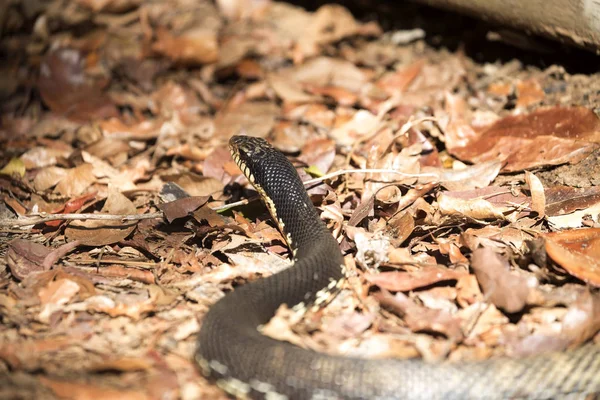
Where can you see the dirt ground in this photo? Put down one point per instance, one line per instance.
(468, 212)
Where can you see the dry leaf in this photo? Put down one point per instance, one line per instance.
(397, 281)
(25, 257)
(99, 232)
(195, 46)
(76, 180)
(504, 288)
(548, 136)
(182, 207)
(538, 198)
(578, 252)
(67, 90)
(420, 318)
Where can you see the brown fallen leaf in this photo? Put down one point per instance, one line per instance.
(319, 154)
(467, 291)
(76, 180)
(578, 252)
(68, 90)
(473, 177)
(209, 215)
(25, 257)
(214, 165)
(330, 23)
(548, 136)
(58, 292)
(40, 157)
(122, 364)
(504, 288)
(398, 281)
(255, 118)
(582, 320)
(398, 81)
(561, 200)
(65, 389)
(196, 46)
(420, 318)
(487, 203)
(99, 232)
(529, 92)
(182, 207)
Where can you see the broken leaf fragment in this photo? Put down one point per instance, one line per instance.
(578, 252)
(15, 166)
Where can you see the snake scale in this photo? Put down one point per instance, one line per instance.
(247, 364)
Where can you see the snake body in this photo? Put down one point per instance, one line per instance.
(247, 364)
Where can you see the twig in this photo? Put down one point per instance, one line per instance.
(66, 217)
(134, 263)
(367, 171)
(41, 218)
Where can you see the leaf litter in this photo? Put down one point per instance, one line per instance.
(462, 238)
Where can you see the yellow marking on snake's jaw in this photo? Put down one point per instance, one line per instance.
(266, 199)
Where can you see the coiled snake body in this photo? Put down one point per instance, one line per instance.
(248, 364)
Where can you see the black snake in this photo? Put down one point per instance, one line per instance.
(247, 364)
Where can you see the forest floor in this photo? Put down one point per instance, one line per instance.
(477, 235)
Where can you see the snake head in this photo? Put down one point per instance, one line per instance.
(250, 154)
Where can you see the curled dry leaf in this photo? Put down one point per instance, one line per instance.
(505, 289)
(578, 252)
(567, 207)
(538, 198)
(577, 219)
(473, 177)
(25, 257)
(487, 203)
(100, 233)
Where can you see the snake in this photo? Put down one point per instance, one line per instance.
(233, 352)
